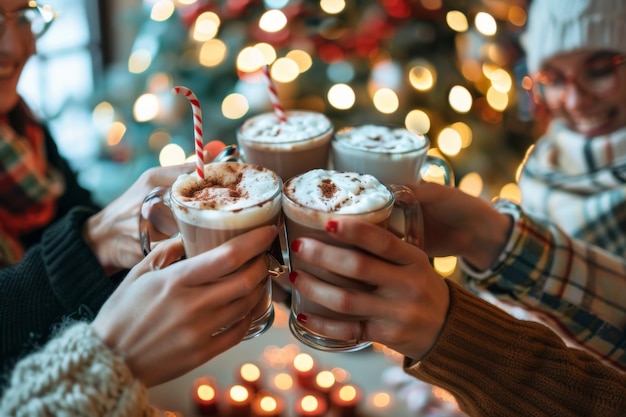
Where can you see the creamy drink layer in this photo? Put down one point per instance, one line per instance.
(318, 193)
(300, 126)
(231, 195)
(381, 139)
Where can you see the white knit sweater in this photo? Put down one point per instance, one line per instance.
(75, 374)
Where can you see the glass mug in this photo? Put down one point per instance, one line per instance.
(392, 154)
(233, 198)
(308, 203)
(288, 148)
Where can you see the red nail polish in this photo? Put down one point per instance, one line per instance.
(295, 245)
(301, 318)
(293, 276)
(331, 226)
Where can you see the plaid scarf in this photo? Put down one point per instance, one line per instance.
(29, 187)
(579, 184)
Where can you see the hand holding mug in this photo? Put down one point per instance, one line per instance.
(309, 201)
(402, 302)
(233, 198)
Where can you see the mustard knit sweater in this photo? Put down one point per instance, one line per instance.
(496, 365)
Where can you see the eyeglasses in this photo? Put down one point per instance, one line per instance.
(34, 17)
(597, 76)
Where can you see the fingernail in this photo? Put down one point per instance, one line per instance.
(301, 318)
(331, 226)
(293, 276)
(295, 245)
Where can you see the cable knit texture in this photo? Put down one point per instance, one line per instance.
(75, 374)
(523, 369)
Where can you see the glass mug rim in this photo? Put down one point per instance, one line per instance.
(234, 211)
(288, 200)
(252, 139)
(341, 143)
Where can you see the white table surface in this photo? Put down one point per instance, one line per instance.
(366, 368)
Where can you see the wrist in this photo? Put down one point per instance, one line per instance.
(491, 236)
(96, 234)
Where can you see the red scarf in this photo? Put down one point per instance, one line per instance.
(29, 187)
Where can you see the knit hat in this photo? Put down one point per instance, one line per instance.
(560, 26)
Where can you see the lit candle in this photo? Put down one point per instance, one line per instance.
(205, 396)
(250, 377)
(304, 370)
(239, 401)
(310, 405)
(324, 382)
(345, 399)
(267, 404)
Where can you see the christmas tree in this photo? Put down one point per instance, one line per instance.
(451, 70)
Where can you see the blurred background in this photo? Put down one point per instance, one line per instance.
(450, 69)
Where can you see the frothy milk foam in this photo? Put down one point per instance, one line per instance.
(382, 139)
(335, 192)
(231, 196)
(393, 155)
(296, 132)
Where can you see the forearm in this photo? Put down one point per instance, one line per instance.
(60, 277)
(75, 371)
(576, 288)
(496, 365)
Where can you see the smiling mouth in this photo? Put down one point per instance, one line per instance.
(592, 124)
(7, 70)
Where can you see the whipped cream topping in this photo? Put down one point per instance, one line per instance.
(338, 192)
(300, 125)
(381, 139)
(232, 194)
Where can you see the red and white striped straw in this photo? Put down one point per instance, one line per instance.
(197, 126)
(279, 110)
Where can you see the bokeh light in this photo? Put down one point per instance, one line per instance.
(206, 27)
(485, 23)
(162, 10)
(272, 21)
(422, 75)
(341, 96)
(332, 6)
(285, 70)
(235, 106)
(417, 121)
(471, 184)
(460, 99)
(457, 21)
(172, 154)
(146, 107)
(212, 53)
(386, 100)
(139, 61)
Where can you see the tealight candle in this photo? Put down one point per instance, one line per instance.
(205, 396)
(324, 382)
(239, 401)
(304, 369)
(345, 399)
(310, 405)
(267, 404)
(250, 376)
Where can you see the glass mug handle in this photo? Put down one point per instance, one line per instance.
(151, 209)
(437, 169)
(406, 201)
